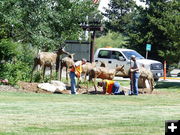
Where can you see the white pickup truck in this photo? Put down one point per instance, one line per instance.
(114, 57)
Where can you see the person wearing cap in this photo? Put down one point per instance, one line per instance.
(111, 87)
(75, 71)
(135, 76)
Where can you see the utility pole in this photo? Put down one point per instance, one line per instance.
(94, 27)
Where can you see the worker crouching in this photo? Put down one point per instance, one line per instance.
(111, 87)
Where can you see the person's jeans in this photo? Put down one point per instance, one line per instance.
(135, 83)
(115, 88)
(73, 82)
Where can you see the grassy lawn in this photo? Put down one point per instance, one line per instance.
(55, 114)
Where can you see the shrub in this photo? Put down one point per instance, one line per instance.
(37, 77)
(8, 50)
(16, 61)
(27, 53)
(15, 72)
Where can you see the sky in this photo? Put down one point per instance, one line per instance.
(104, 3)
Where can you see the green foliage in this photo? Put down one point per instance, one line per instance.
(15, 72)
(157, 24)
(3, 32)
(119, 14)
(27, 53)
(8, 50)
(37, 77)
(45, 24)
(111, 39)
(36, 24)
(16, 61)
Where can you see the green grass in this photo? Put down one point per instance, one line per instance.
(173, 86)
(55, 114)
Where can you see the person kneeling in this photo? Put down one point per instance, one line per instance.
(111, 87)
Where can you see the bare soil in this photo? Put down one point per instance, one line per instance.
(32, 87)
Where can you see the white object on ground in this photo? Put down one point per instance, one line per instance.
(53, 86)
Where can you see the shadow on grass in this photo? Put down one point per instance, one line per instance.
(168, 85)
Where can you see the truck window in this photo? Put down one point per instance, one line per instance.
(116, 55)
(128, 54)
(104, 54)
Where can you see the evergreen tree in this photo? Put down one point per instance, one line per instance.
(157, 24)
(119, 14)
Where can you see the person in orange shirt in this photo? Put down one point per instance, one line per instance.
(75, 71)
(111, 87)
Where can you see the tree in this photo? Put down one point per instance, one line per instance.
(111, 39)
(157, 24)
(8, 50)
(45, 24)
(119, 14)
(26, 25)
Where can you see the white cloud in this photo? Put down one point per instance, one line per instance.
(104, 3)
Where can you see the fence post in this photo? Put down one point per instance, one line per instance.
(164, 70)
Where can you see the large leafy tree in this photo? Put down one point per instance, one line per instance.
(43, 23)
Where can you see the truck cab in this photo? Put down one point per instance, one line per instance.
(114, 57)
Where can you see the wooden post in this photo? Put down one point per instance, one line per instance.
(93, 29)
(164, 70)
(146, 54)
(92, 46)
(131, 78)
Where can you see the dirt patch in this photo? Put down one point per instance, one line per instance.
(33, 87)
(8, 88)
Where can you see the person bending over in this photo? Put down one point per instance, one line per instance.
(111, 87)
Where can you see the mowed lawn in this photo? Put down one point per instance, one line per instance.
(57, 114)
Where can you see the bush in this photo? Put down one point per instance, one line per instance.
(27, 53)
(112, 39)
(8, 50)
(16, 61)
(38, 77)
(15, 72)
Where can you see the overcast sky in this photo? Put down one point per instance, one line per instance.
(104, 3)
